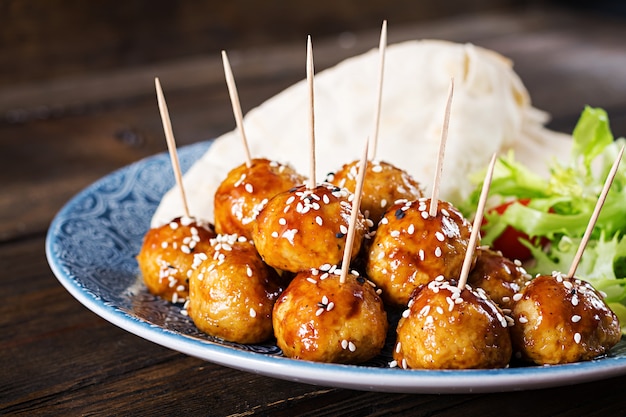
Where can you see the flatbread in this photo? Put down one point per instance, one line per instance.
(491, 112)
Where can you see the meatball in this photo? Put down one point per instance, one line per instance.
(383, 185)
(562, 320)
(319, 319)
(302, 229)
(411, 248)
(500, 277)
(167, 254)
(232, 292)
(449, 328)
(245, 190)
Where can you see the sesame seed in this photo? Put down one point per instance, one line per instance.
(517, 296)
(275, 234)
(398, 347)
(351, 346)
(311, 280)
(290, 200)
(344, 344)
(393, 364)
(318, 220)
(164, 245)
(240, 180)
(248, 271)
(343, 229)
(577, 337)
(438, 252)
(394, 233)
(319, 311)
(574, 300)
(424, 215)
(406, 313)
(576, 318)
(252, 313)
(383, 203)
(440, 237)
(421, 254)
(248, 187)
(411, 229)
(523, 320)
(282, 221)
(439, 310)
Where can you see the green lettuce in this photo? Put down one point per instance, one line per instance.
(559, 207)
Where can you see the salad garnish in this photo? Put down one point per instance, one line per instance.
(548, 215)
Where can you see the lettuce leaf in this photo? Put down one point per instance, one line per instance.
(561, 205)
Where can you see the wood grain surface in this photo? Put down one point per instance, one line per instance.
(59, 135)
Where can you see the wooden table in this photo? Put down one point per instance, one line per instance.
(57, 137)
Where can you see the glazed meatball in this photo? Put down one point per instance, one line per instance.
(319, 319)
(167, 254)
(245, 191)
(232, 292)
(500, 277)
(449, 328)
(411, 248)
(302, 229)
(383, 185)
(562, 320)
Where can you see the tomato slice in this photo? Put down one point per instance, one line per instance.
(509, 241)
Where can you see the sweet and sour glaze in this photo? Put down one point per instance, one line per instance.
(246, 190)
(383, 185)
(562, 320)
(305, 228)
(167, 254)
(318, 318)
(446, 327)
(232, 292)
(411, 248)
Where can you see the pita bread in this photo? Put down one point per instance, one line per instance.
(491, 112)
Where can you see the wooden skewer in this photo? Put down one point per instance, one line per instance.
(171, 143)
(595, 214)
(234, 99)
(309, 76)
(381, 69)
(442, 150)
(471, 246)
(356, 204)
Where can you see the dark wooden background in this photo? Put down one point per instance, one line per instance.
(77, 101)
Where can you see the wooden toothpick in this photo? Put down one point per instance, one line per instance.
(595, 214)
(309, 76)
(471, 246)
(234, 99)
(442, 150)
(356, 205)
(171, 143)
(381, 69)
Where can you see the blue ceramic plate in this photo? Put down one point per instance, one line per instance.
(91, 247)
